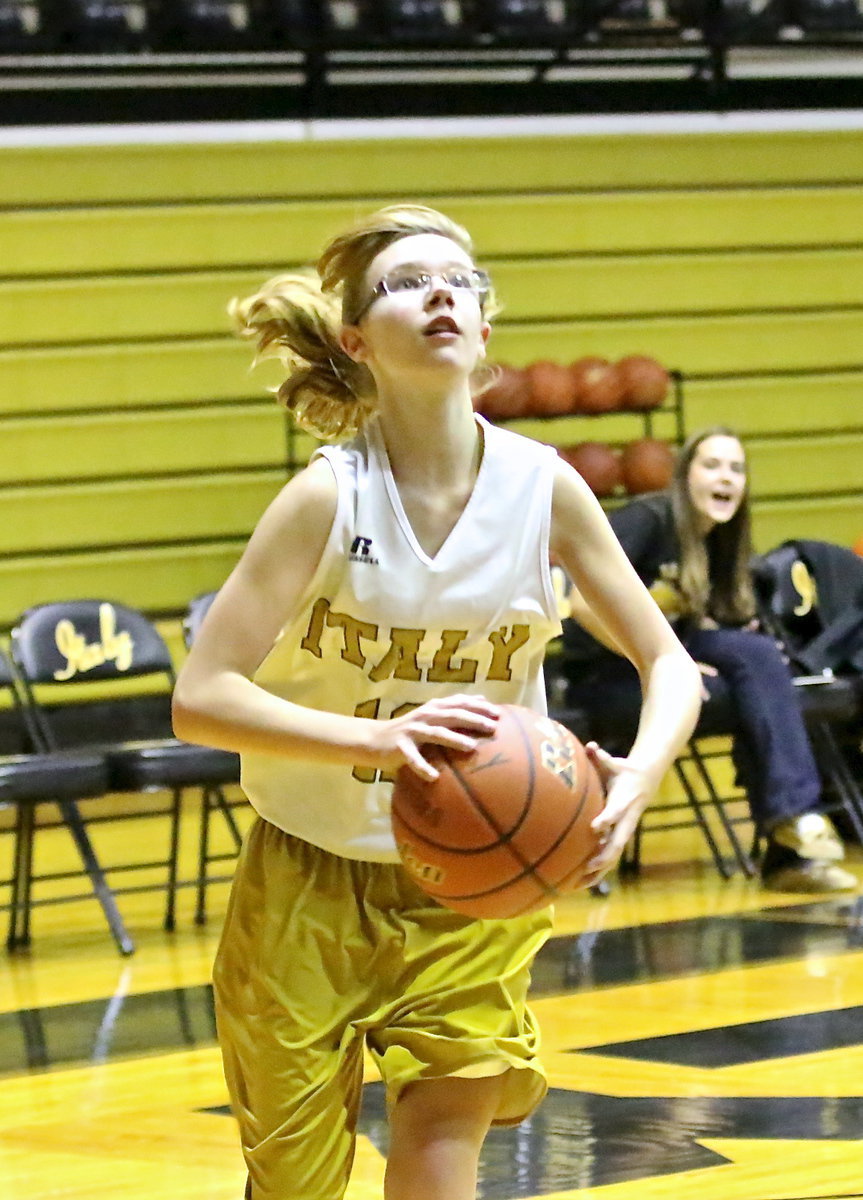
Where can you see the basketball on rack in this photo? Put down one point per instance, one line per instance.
(597, 464)
(598, 385)
(645, 382)
(552, 389)
(507, 396)
(646, 466)
(506, 828)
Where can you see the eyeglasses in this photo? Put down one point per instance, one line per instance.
(415, 279)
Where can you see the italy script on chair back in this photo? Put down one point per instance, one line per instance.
(82, 656)
(87, 640)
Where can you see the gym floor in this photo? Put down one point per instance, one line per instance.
(704, 1039)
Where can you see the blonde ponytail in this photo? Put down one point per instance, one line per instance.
(292, 320)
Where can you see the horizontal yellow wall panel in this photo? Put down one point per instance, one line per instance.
(157, 579)
(807, 465)
(777, 404)
(397, 167)
(830, 519)
(87, 515)
(124, 376)
(194, 304)
(709, 346)
(680, 283)
(624, 221)
(111, 308)
(144, 374)
(108, 445)
(60, 242)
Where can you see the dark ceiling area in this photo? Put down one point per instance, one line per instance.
(67, 61)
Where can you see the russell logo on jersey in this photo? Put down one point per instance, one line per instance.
(361, 551)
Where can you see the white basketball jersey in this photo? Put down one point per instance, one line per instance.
(383, 627)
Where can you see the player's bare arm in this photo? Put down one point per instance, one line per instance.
(216, 702)
(584, 543)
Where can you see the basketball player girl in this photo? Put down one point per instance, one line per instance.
(392, 596)
(692, 547)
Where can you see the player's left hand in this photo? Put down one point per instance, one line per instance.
(628, 790)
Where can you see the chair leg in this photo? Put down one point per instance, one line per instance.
(22, 878)
(173, 861)
(105, 896)
(203, 857)
(695, 804)
(834, 764)
(225, 809)
(211, 798)
(743, 860)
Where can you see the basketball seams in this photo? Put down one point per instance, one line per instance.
(576, 817)
(532, 768)
(552, 890)
(467, 851)
(503, 838)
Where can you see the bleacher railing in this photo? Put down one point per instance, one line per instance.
(180, 59)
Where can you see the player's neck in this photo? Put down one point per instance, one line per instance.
(435, 446)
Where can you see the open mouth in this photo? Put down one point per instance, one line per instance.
(441, 325)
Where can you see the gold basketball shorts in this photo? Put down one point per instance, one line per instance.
(322, 956)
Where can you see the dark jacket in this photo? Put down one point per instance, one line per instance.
(822, 626)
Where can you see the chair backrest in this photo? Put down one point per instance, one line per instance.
(810, 595)
(87, 640)
(94, 671)
(16, 736)
(195, 613)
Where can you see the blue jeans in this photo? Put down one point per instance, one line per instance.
(772, 746)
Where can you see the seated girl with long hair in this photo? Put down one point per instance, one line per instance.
(691, 546)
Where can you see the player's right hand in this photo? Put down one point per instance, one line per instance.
(454, 722)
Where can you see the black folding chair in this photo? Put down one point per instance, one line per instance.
(33, 782)
(99, 676)
(213, 798)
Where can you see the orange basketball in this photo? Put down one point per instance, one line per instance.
(597, 464)
(581, 367)
(647, 465)
(505, 829)
(507, 396)
(552, 389)
(858, 546)
(645, 381)
(599, 387)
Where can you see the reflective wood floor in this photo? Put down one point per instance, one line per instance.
(704, 1040)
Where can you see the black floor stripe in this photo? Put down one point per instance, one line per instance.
(580, 1140)
(749, 1042)
(177, 1018)
(703, 944)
